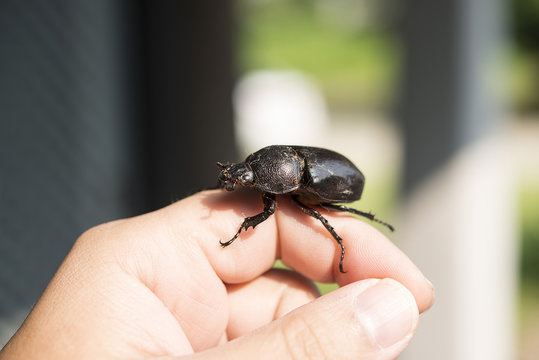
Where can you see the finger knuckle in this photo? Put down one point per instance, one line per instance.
(305, 340)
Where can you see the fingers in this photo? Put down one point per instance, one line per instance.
(154, 285)
(370, 319)
(301, 241)
(268, 297)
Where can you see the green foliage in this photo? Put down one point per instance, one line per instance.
(354, 66)
(529, 264)
(526, 24)
(358, 66)
(525, 65)
(524, 80)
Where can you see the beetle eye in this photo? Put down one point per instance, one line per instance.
(247, 178)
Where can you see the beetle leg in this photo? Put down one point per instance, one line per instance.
(269, 209)
(315, 214)
(367, 215)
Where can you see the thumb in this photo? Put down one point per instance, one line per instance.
(369, 319)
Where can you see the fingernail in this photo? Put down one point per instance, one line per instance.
(387, 312)
(432, 294)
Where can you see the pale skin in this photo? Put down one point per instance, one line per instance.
(159, 285)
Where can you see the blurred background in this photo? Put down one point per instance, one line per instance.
(113, 108)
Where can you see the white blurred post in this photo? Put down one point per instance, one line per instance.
(459, 228)
(278, 107)
(458, 220)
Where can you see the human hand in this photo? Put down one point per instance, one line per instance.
(160, 285)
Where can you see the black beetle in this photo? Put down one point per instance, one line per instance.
(310, 175)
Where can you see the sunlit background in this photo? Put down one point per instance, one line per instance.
(114, 108)
(352, 57)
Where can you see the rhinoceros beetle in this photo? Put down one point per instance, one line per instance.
(311, 176)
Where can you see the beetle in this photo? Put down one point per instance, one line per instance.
(311, 176)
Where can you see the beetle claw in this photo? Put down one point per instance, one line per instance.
(226, 243)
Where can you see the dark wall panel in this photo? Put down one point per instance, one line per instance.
(107, 109)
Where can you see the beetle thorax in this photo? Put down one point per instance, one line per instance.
(278, 169)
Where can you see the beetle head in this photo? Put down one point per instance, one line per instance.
(232, 174)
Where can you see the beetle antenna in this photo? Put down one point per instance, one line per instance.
(389, 226)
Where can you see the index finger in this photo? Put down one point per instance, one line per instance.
(299, 240)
